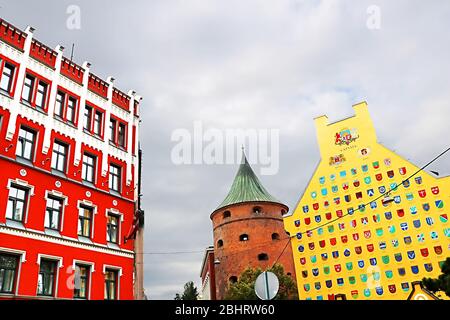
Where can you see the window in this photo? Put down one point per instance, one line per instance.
(66, 107)
(243, 237)
(17, 203)
(85, 221)
(81, 281)
(59, 157)
(27, 90)
(220, 243)
(112, 129)
(283, 212)
(226, 214)
(111, 284)
(275, 236)
(263, 257)
(118, 132)
(88, 168)
(41, 95)
(98, 120)
(8, 270)
(257, 210)
(7, 77)
(112, 228)
(233, 279)
(25, 144)
(114, 177)
(59, 105)
(53, 213)
(87, 118)
(71, 110)
(121, 135)
(46, 278)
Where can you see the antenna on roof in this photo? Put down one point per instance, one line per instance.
(71, 53)
(435, 172)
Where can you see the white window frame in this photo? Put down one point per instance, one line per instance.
(91, 271)
(115, 212)
(22, 259)
(89, 204)
(59, 261)
(65, 200)
(119, 274)
(24, 184)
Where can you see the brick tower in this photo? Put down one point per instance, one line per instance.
(248, 230)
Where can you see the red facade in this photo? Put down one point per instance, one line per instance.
(68, 178)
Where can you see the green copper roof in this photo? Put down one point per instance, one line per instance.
(246, 187)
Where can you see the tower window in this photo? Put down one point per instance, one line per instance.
(243, 237)
(263, 257)
(220, 243)
(226, 214)
(257, 210)
(233, 279)
(283, 212)
(275, 236)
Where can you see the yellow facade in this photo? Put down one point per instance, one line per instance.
(350, 234)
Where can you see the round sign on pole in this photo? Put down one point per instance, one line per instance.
(267, 285)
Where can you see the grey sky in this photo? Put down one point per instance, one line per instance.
(254, 64)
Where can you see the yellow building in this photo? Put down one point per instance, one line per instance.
(367, 225)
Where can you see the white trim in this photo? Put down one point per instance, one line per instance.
(110, 266)
(61, 196)
(56, 280)
(119, 272)
(115, 212)
(49, 257)
(91, 270)
(17, 252)
(41, 236)
(89, 204)
(30, 193)
(22, 259)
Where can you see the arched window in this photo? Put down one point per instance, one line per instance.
(289, 274)
(263, 257)
(257, 210)
(226, 214)
(233, 279)
(219, 243)
(243, 237)
(275, 236)
(283, 212)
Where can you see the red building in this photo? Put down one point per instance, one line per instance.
(70, 223)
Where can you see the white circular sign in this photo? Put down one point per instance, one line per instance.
(88, 194)
(267, 285)
(23, 172)
(114, 202)
(58, 184)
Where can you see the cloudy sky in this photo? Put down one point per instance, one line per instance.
(260, 65)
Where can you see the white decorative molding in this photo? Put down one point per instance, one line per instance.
(65, 242)
(49, 257)
(21, 253)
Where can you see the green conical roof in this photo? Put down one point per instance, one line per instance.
(246, 187)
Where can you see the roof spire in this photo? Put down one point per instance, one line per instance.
(246, 187)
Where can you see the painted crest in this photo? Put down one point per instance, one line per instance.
(346, 136)
(337, 160)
